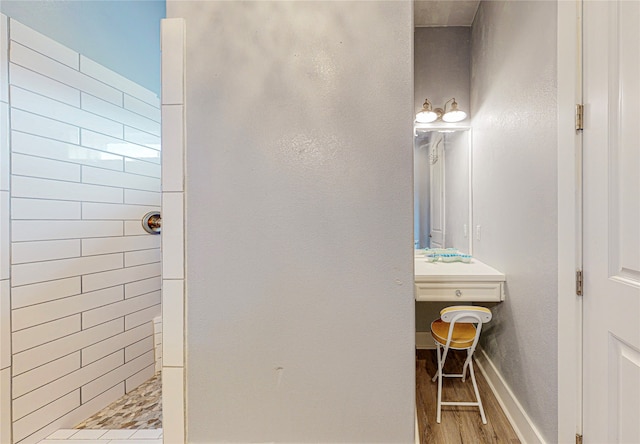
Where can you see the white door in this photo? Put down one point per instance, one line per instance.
(436, 201)
(611, 150)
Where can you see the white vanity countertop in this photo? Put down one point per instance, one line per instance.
(426, 271)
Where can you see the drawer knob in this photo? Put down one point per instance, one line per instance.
(458, 293)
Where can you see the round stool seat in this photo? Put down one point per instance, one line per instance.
(462, 337)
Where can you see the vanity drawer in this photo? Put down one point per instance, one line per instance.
(459, 291)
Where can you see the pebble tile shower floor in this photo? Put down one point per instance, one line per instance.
(136, 418)
(138, 409)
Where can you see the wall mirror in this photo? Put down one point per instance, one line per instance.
(442, 188)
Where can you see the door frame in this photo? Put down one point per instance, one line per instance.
(570, 322)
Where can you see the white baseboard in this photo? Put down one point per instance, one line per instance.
(522, 424)
(424, 341)
(416, 433)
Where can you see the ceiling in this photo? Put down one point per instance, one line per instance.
(444, 12)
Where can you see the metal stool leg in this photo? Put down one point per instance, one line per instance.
(475, 388)
(438, 369)
(466, 364)
(439, 375)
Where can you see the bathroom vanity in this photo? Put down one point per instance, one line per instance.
(457, 281)
(443, 217)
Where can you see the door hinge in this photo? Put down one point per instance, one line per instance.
(578, 439)
(579, 282)
(579, 117)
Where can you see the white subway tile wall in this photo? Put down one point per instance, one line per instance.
(5, 256)
(85, 284)
(4, 146)
(137, 349)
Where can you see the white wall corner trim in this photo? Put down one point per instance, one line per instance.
(173, 147)
(525, 429)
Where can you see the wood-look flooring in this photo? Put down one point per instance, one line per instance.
(460, 424)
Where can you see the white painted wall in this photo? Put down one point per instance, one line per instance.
(300, 312)
(513, 100)
(5, 267)
(85, 167)
(442, 66)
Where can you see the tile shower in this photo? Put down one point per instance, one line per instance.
(78, 305)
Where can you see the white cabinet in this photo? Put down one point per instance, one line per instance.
(457, 282)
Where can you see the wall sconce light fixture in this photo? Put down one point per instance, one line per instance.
(428, 114)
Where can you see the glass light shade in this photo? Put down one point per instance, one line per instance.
(426, 116)
(454, 116)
